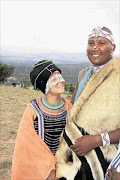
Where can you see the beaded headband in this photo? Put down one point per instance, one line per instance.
(101, 32)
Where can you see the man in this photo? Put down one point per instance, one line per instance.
(95, 113)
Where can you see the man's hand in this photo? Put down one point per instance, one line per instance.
(85, 144)
(113, 174)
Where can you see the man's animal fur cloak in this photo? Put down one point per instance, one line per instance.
(97, 110)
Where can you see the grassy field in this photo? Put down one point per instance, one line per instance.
(13, 101)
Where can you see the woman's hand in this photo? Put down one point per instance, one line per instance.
(113, 174)
(86, 143)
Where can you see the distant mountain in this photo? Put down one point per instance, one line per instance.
(69, 72)
(31, 59)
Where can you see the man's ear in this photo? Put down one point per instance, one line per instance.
(113, 47)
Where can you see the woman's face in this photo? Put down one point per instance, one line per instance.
(100, 51)
(55, 84)
(57, 89)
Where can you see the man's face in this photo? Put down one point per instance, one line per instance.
(99, 51)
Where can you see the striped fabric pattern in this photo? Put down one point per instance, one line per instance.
(52, 110)
(116, 161)
(40, 122)
(54, 118)
(81, 84)
(53, 129)
(83, 73)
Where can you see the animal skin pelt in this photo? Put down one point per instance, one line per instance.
(97, 110)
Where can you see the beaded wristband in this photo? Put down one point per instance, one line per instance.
(105, 139)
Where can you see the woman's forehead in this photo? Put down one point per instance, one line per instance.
(55, 73)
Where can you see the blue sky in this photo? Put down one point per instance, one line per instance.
(55, 26)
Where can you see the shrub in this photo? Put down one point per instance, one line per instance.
(5, 72)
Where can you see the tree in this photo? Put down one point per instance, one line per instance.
(66, 87)
(5, 72)
(69, 87)
(25, 82)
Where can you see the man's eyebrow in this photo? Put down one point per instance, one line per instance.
(91, 40)
(102, 40)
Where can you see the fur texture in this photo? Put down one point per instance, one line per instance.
(97, 110)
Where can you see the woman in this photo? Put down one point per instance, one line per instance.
(41, 125)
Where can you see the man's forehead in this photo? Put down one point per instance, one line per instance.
(99, 39)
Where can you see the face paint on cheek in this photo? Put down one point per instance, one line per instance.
(61, 78)
(54, 80)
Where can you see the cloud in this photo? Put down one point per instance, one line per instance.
(55, 25)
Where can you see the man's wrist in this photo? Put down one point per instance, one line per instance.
(98, 140)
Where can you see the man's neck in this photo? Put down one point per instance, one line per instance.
(100, 66)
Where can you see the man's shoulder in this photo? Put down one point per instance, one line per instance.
(82, 73)
(114, 64)
(84, 70)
